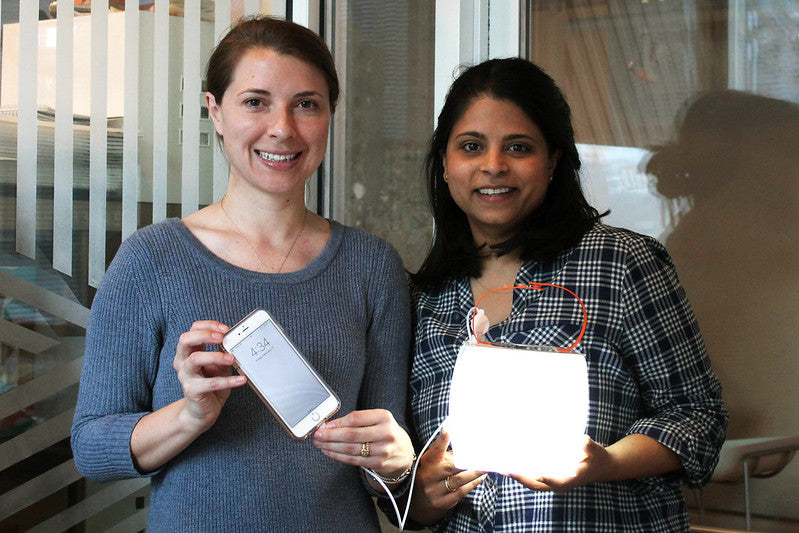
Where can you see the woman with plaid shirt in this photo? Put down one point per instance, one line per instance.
(509, 210)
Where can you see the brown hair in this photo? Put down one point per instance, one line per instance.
(282, 36)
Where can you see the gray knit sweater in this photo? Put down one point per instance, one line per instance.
(347, 312)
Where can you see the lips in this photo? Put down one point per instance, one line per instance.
(277, 158)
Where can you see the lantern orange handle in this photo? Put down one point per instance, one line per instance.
(538, 287)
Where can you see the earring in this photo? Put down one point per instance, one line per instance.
(551, 176)
(446, 178)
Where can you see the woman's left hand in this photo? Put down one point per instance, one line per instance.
(368, 438)
(592, 468)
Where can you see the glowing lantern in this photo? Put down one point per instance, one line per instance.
(520, 410)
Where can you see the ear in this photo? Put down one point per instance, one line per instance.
(553, 161)
(214, 112)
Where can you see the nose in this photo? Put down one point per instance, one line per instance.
(283, 126)
(493, 162)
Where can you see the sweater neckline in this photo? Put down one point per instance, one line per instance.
(312, 269)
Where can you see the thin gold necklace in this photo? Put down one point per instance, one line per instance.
(250, 246)
(487, 289)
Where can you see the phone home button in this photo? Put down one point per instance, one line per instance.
(315, 416)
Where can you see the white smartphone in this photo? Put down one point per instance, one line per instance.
(277, 372)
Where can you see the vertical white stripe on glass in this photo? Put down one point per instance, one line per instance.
(221, 25)
(190, 178)
(98, 141)
(130, 125)
(252, 7)
(63, 144)
(277, 8)
(27, 135)
(160, 108)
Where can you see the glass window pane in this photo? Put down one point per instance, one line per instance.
(687, 115)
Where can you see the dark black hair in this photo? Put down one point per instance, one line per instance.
(282, 36)
(563, 217)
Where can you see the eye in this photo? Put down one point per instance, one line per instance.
(518, 148)
(470, 146)
(307, 104)
(252, 102)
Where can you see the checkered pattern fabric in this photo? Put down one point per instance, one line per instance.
(649, 373)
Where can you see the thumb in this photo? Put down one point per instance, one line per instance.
(440, 445)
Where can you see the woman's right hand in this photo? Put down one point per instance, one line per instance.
(439, 484)
(206, 381)
(205, 376)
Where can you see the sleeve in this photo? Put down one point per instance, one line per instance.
(681, 394)
(385, 381)
(119, 366)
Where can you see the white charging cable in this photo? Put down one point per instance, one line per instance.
(402, 519)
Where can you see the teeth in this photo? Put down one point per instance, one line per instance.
(277, 157)
(492, 192)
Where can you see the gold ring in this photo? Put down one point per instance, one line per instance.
(365, 449)
(446, 484)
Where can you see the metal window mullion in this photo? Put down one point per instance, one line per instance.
(480, 21)
(332, 185)
(504, 30)
(736, 31)
(307, 13)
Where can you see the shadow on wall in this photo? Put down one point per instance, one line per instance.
(737, 248)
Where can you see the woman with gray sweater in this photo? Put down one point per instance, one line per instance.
(157, 396)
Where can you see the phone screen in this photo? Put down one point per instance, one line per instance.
(282, 376)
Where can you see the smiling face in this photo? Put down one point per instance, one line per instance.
(498, 168)
(273, 119)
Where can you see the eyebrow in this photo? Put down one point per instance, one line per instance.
(478, 135)
(263, 92)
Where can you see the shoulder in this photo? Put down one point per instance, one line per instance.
(441, 296)
(161, 235)
(609, 243)
(150, 247)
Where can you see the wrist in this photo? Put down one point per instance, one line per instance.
(398, 477)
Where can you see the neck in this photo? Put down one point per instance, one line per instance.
(264, 219)
(499, 271)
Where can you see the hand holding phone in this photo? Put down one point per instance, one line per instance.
(206, 374)
(289, 386)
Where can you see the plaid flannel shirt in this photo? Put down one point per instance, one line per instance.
(648, 369)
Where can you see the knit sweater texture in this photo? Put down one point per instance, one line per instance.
(347, 312)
